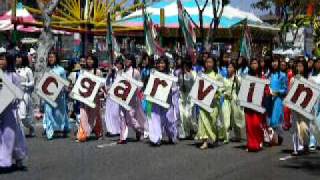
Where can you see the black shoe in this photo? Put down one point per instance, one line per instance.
(122, 142)
(138, 136)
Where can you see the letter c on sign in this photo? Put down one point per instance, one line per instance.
(87, 84)
(46, 84)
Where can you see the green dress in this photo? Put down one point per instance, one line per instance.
(233, 114)
(208, 128)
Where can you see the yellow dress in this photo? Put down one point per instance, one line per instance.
(207, 123)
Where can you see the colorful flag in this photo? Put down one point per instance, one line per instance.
(151, 37)
(245, 43)
(113, 41)
(187, 29)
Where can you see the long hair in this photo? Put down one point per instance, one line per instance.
(166, 62)
(133, 60)
(25, 60)
(215, 68)
(315, 71)
(305, 68)
(57, 58)
(255, 72)
(95, 62)
(11, 62)
(243, 64)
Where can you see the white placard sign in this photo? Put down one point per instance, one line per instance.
(302, 97)
(86, 88)
(123, 89)
(8, 92)
(158, 88)
(251, 93)
(50, 86)
(203, 91)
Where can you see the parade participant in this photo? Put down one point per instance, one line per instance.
(265, 66)
(254, 119)
(233, 114)
(112, 112)
(75, 113)
(278, 91)
(147, 63)
(25, 108)
(187, 121)
(242, 66)
(163, 121)
(315, 77)
(300, 130)
(90, 118)
(285, 68)
(56, 120)
(134, 118)
(207, 123)
(13, 149)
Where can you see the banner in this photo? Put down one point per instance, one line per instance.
(302, 97)
(203, 91)
(123, 90)
(158, 88)
(86, 88)
(8, 92)
(50, 86)
(251, 93)
(187, 30)
(151, 37)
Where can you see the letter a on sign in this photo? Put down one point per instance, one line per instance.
(203, 91)
(302, 97)
(50, 87)
(158, 88)
(8, 92)
(123, 90)
(86, 88)
(251, 93)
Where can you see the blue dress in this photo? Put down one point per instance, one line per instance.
(279, 84)
(56, 119)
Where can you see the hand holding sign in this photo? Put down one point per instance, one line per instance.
(302, 97)
(251, 93)
(203, 91)
(158, 88)
(86, 88)
(8, 92)
(123, 90)
(50, 86)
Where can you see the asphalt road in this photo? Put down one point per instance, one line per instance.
(103, 159)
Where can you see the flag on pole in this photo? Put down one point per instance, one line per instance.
(245, 43)
(151, 37)
(111, 39)
(187, 29)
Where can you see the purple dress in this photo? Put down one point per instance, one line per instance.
(164, 121)
(112, 118)
(12, 140)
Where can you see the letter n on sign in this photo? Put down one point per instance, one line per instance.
(158, 88)
(302, 97)
(123, 90)
(251, 93)
(203, 91)
(50, 87)
(86, 88)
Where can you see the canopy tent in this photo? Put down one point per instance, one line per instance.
(229, 17)
(22, 15)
